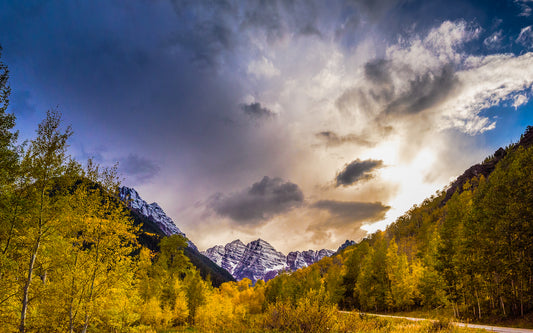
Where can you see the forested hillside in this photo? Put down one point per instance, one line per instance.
(71, 259)
(471, 251)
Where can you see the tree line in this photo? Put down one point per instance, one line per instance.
(70, 259)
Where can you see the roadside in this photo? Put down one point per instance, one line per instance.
(484, 327)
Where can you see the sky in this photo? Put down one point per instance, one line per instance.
(301, 122)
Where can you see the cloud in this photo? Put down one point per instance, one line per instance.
(525, 38)
(494, 41)
(376, 8)
(263, 67)
(525, 7)
(431, 83)
(520, 100)
(343, 219)
(211, 30)
(356, 171)
(137, 168)
(255, 110)
(349, 212)
(378, 71)
(331, 138)
(258, 203)
(424, 91)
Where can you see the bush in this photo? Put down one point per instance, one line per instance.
(312, 313)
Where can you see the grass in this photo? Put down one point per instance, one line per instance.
(355, 323)
(445, 313)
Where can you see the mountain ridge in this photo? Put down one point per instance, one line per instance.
(259, 260)
(155, 225)
(488, 165)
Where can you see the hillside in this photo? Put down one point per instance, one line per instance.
(486, 167)
(151, 235)
(469, 249)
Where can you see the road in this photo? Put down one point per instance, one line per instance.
(484, 327)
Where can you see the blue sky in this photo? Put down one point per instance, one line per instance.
(304, 123)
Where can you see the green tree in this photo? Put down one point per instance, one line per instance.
(373, 285)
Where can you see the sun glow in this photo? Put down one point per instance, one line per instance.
(412, 184)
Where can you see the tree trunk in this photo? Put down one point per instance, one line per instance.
(71, 305)
(478, 306)
(91, 290)
(25, 293)
(11, 230)
(26, 289)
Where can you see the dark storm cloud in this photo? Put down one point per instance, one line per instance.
(377, 71)
(376, 8)
(357, 171)
(344, 218)
(255, 110)
(258, 203)
(419, 93)
(139, 168)
(333, 139)
(208, 29)
(424, 92)
(350, 212)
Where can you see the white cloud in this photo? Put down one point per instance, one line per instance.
(486, 82)
(263, 68)
(525, 37)
(494, 41)
(520, 100)
(525, 7)
(431, 78)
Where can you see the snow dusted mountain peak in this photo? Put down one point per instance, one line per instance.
(236, 242)
(152, 211)
(259, 260)
(259, 244)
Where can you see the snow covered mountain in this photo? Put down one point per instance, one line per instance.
(151, 211)
(297, 259)
(258, 260)
(228, 256)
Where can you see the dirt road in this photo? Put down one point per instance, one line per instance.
(484, 327)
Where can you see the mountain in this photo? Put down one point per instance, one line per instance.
(345, 245)
(228, 256)
(155, 224)
(258, 260)
(487, 167)
(297, 259)
(152, 211)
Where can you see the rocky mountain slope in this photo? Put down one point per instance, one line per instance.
(151, 211)
(258, 260)
(488, 166)
(155, 224)
(346, 244)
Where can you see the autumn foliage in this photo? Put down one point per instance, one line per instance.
(70, 259)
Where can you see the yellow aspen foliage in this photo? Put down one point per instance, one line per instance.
(180, 311)
(217, 314)
(153, 315)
